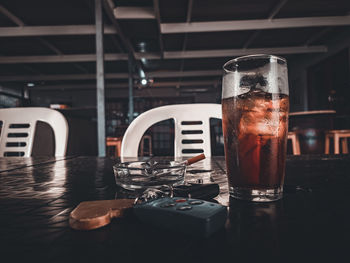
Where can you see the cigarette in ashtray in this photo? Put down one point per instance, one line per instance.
(152, 165)
(194, 159)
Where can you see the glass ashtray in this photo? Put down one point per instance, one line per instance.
(141, 175)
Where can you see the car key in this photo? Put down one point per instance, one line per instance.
(190, 216)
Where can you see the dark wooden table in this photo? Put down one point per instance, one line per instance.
(310, 223)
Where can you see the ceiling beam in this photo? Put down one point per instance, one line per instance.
(188, 73)
(50, 46)
(318, 35)
(188, 20)
(173, 84)
(147, 55)
(160, 39)
(71, 58)
(237, 25)
(277, 8)
(16, 20)
(53, 77)
(167, 55)
(271, 15)
(108, 8)
(20, 23)
(126, 12)
(251, 38)
(46, 43)
(59, 58)
(31, 69)
(117, 44)
(189, 11)
(241, 52)
(152, 74)
(27, 31)
(11, 16)
(59, 52)
(182, 27)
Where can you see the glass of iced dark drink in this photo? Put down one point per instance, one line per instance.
(255, 106)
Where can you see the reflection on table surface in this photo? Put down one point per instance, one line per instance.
(310, 222)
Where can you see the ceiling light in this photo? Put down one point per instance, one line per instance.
(144, 61)
(142, 46)
(30, 84)
(142, 74)
(142, 49)
(144, 82)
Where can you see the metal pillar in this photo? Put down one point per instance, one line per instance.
(131, 89)
(100, 81)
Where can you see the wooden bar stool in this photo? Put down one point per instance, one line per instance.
(115, 142)
(337, 135)
(295, 142)
(149, 139)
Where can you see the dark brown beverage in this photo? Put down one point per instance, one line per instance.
(255, 126)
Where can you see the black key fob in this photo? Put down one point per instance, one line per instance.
(190, 216)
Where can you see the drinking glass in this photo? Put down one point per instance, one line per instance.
(255, 106)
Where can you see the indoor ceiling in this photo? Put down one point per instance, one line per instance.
(181, 43)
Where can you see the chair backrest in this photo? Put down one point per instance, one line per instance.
(192, 128)
(18, 129)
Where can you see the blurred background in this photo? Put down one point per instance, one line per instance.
(162, 52)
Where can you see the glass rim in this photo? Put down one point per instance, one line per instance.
(124, 165)
(247, 57)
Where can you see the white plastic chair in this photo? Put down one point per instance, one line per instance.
(192, 122)
(18, 129)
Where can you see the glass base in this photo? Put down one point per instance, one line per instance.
(256, 195)
(130, 186)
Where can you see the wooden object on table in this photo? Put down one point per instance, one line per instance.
(115, 142)
(95, 214)
(293, 136)
(337, 135)
(142, 149)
